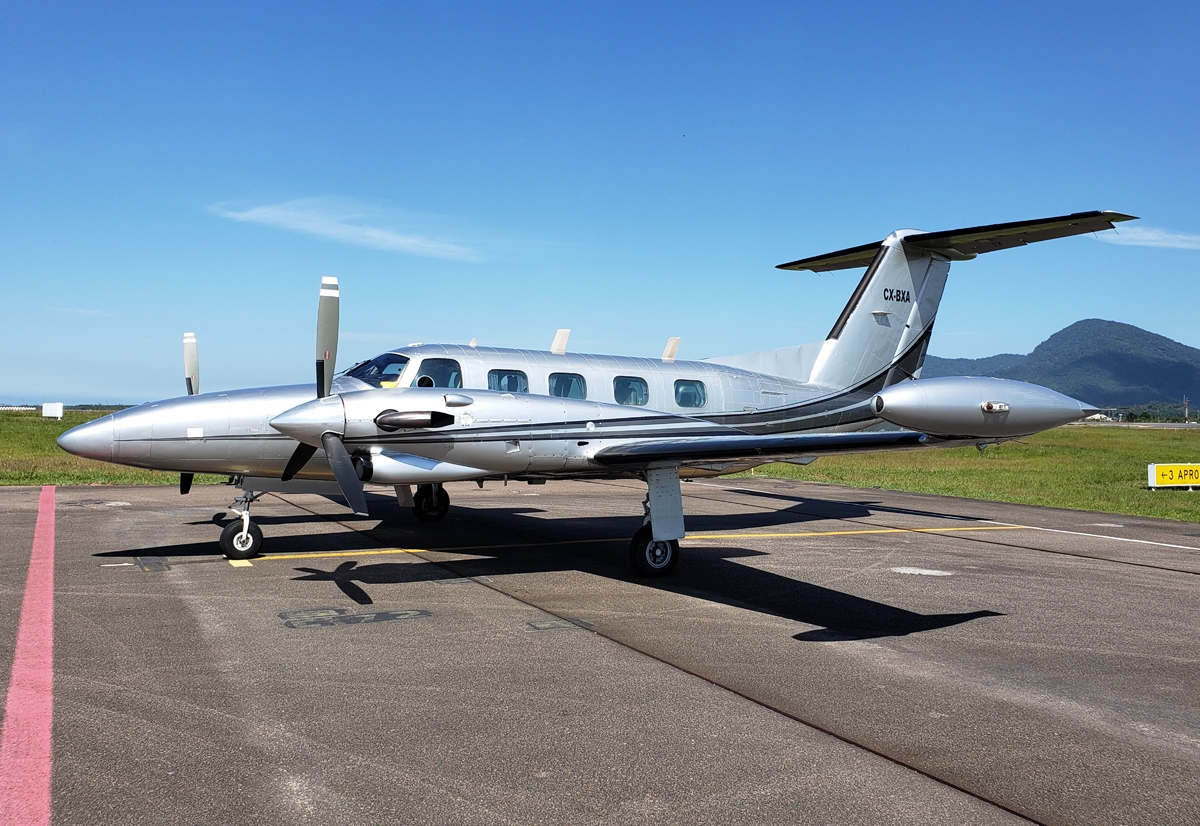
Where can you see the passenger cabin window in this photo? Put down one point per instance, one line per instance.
(508, 381)
(690, 393)
(381, 371)
(631, 390)
(568, 386)
(438, 373)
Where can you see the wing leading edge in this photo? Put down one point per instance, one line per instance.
(720, 448)
(970, 241)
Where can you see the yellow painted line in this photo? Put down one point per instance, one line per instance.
(854, 533)
(245, 563)
(322, 554)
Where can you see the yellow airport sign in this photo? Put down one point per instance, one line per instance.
(1173, 476)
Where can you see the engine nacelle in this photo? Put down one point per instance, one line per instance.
(392, 468)
(969, 407)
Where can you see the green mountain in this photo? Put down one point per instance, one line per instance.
(1104, 363)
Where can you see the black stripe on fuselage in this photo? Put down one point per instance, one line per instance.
(844, 407)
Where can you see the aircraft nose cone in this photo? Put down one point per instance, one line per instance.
(91, 440)
(310, 421)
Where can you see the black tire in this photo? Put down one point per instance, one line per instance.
(430, 508)
(235, 548)
(650, 558)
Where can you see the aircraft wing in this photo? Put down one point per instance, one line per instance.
(720, 448)
(970, 241)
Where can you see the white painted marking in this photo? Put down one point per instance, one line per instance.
(922, 571)
(114, 564)
(116, 504)
(1101, 536)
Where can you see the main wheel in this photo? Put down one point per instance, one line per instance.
(430, 506)
(237, 545)
(650, 558)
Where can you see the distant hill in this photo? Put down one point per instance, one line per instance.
(1104, 363)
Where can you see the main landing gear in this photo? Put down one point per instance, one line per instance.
(652, 558)
(431, 502)
(242, 539)
(654, 551)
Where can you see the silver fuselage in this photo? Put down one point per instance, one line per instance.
(499, 434)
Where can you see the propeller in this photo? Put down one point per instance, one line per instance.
(191, 364)
(347, 476)
(191, 376)
(339, 458)
(327, 334)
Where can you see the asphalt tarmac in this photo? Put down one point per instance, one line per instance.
(820, 655)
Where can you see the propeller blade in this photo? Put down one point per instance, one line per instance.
(343, 469)
(191, 364)
(300, 457)
(185, 482)
(327, 334)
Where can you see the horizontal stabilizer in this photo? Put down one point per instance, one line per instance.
(971, 241)
(719, 448)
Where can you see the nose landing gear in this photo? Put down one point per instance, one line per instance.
(242, 539)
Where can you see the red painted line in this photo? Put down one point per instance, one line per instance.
(25, 742)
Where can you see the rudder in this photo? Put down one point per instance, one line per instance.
(887, 320)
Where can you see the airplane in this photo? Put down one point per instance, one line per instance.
(428, 414)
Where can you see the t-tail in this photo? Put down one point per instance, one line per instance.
(883, 333)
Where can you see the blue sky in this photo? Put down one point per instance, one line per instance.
(630, 170)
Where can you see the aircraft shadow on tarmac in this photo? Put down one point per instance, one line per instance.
(526, 544)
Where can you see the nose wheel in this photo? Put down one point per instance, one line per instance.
(241, 538)
(430, 503)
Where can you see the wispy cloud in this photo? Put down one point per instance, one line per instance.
(1151, 237)
(350, 222)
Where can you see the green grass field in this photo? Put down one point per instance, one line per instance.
(29, 455)
(1082, 467)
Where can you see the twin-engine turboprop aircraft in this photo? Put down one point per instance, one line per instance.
(424, 415)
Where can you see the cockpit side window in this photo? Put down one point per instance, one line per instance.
(438, 373)
(381, 371)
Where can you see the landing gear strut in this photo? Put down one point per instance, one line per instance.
(242, 539)
(654, 551)
(430, 502)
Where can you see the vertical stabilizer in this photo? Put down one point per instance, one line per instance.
(886, 323)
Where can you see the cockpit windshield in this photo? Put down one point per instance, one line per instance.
(381, 371)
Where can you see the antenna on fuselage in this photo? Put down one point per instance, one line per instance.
(671, 349)
(560, 341)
